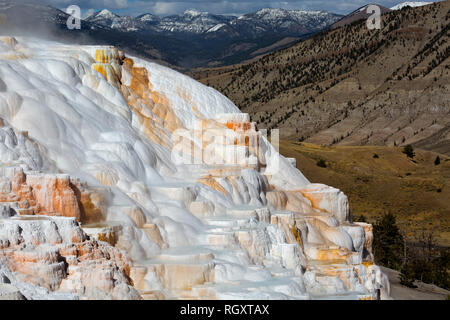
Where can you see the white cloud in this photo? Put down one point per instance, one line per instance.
(87, 13)
(165, 8)
(86, 4)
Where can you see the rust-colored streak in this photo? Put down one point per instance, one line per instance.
(315, 198)
(152, 109)
(51, 196)
(106, 56)
(213, 184)
(239, 127)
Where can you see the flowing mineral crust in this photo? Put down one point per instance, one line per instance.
(97, 203)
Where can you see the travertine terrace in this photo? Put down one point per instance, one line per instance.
(98, 202)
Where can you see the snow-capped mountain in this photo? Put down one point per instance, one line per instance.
(105, 14)
(411, 4)
(124, 179)
(114, 21)
(292, 22)
(148, 18)
(286, 21)
(192, 21)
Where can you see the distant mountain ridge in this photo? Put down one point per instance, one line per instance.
(189, 40)
(193, 22)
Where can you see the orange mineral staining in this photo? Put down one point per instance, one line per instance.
(239, 127)
(100, 68)
(315, 198)
(52, 195)
(367, 264)
(107, 55)
(152, 109)
(213, 184)
(336, 255)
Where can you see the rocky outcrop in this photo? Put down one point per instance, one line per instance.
(55, 254)
(53, 195)
(47, 194)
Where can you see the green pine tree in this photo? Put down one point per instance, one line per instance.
(437, 161)
(407, 276)
(409, 151)
(321, 163)
(388, 242)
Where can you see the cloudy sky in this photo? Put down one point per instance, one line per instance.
(166, 7)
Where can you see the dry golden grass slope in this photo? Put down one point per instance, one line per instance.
(354, 86)
(416, 191)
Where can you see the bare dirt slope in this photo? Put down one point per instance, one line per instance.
(354, 86)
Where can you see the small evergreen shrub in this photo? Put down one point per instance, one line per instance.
(437, 161)
(409, 151)
(321, 163)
